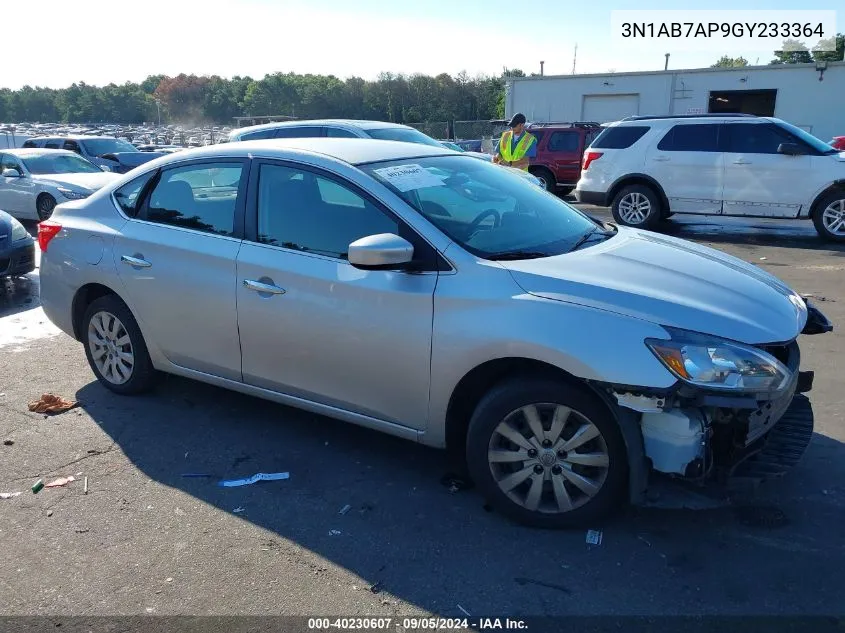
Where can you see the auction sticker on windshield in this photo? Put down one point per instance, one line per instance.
(408, 177)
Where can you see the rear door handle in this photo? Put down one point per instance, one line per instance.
(258, 286)
(660, 159)
(742, 162)
(134, 261)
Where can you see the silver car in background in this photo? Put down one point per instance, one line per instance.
(430, 295)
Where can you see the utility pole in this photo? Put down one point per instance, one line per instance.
(158, 109)
(574, 58)
(666, 65)
(541, 68)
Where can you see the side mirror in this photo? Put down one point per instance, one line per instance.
(381, 252)
(105, 168)
(790, 149)
(12, 173)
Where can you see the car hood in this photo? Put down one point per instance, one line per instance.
(90, 182)
(669, 282)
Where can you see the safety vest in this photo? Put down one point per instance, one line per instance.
(522, 147)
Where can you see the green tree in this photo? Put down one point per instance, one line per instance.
(830, 56)
(792, 52)
(730, 62)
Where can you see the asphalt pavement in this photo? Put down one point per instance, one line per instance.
(146, 539)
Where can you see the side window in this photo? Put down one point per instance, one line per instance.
(336, 132)
(260, 134)
(564, 142)
(691, 138)
(127, 195)
(751, 138)
(7, 161)
(52, 145)
(620, 136)
(299, 132)
(73, 146)
(29, 144)
(201, 197)
(302, 211)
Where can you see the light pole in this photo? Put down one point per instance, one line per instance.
(158, 109)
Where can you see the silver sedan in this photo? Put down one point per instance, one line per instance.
(440, 298)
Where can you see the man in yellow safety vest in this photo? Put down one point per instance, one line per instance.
(517, 146)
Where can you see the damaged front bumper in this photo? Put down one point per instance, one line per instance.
(718, 445)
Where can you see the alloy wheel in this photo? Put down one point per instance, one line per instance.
(548, 458)
(833, 217)
(634, 208)
(111, 348)
(44, 207)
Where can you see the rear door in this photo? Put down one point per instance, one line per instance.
(758, 180)
(688, 164)
(177, 263)
(564, 151)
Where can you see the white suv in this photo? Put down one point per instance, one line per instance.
(648, 168)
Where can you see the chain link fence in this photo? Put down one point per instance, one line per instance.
(477, 136)
(434, 129)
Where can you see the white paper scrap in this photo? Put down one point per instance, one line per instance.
(408, 177)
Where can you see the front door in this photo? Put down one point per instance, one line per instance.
(689, 166)
(17, 195)
(315, 327)
(758, 180)
(565, 153)
(177, 262)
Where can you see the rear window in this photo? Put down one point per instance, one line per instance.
(30, 144)
(619, 137)
(258, 135)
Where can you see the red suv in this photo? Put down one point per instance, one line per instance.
(559, 151)
(838, 142)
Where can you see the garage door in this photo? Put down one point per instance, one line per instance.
(607, 108)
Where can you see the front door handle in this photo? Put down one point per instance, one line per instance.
(134, 261)
(259, 286)
(660, 159)
(742, 162)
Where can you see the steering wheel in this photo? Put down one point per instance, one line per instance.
(435, 209)
(476, 223)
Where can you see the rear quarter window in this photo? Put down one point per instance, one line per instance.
(620, 137)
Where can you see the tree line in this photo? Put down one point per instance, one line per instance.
(202, 99)
(794, 52)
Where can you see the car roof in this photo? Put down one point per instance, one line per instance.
(693, 118)
(359, 123)
(354, 151)
(71, 137)
(29, 151)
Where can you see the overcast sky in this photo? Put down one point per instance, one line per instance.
(103, 41)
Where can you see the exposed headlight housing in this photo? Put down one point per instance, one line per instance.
(714, 363)
(70, 194)
(18, 231)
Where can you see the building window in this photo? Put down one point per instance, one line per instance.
(757, 102)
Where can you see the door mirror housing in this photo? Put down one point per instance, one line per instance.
(12, 173)
(105, 168)
(791, 149)
(385, 251)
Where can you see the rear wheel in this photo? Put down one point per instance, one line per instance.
(115, 348)
(44, 206)
(564, 191)
(546, 177)
(547, 454)
(637, 206)
(829, 216)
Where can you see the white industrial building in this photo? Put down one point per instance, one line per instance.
(805, 95)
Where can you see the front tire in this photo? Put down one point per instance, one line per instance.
(546, 177)
(829, 216)
(115, 348)
(637, 206)
(44, 206)
(547, 454)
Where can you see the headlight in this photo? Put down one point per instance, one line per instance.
(716, 363)
(73, 195)
(18, 231)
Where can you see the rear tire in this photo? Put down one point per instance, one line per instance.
(546, 177)
(530, 478)
(115, 348)
(829, 216)
(637, 206)
(44, 206)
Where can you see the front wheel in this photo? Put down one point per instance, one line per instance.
(546, 178)
(637, 206)
(44, 206)
(547, 454)
(829, 216)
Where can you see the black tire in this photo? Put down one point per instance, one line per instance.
(44, 205)
(510, 396)
(638, 192)
(564, 191)
(836, 198)
(143, 375)
(547, 177)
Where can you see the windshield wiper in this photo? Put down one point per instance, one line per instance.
(509, 255)
(588, 236)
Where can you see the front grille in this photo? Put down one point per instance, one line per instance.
(763, 419)
(781, 352)
(26, 259)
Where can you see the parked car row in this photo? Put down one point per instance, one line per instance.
(649, 168)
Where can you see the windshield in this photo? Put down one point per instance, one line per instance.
(58, 163)
(100, 146)
(814, 142)
(490, 211)
(407, 135)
